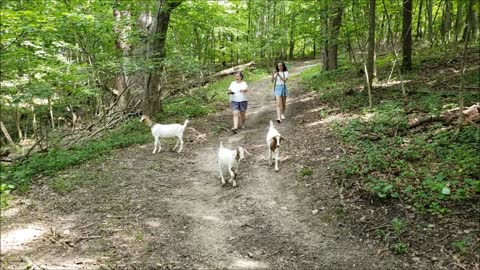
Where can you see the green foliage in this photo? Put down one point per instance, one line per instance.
(58, 159)
(400, 248)
(5, 195)
(427, 169)
(306, 171)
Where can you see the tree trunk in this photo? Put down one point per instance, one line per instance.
(407, 35)
(292, 35)
(470, 22)
(334, 30)
(122, 28)
(324, 35)
(446, 21)
(458, 20)
(430, 20)
(418, 35)
(152, 103)
(7, 135)
(371, 43)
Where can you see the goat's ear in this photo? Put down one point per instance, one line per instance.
(282, 139)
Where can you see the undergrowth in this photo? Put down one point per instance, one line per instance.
(430, 167)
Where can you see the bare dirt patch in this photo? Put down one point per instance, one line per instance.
(136, 210)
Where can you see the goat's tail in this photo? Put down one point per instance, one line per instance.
(185, 124)
(271, 124)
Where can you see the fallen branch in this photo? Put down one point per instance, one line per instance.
(471, 115)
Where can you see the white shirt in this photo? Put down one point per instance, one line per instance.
(235, 87)
(283, 74)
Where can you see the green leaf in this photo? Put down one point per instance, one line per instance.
(446, 191)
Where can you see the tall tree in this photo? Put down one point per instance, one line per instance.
(371, 42)
(335, 24)
(407, 35)
(152, 103)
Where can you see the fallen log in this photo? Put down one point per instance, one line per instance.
(471, 115)
(234, 69)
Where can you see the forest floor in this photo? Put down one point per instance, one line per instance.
(138, 210)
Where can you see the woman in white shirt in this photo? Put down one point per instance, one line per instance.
(279, 78)
(238, 101)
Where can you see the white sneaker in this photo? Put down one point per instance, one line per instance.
(282, 116)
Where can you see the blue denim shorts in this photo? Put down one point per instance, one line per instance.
(239, 106)
(281, 90)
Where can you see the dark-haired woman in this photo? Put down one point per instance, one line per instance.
(279, 78)
(238, 101)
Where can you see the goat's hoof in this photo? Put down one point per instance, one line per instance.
(276, 170)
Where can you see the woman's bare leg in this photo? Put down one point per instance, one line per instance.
(242, 119)
(279, 106)
(235, 119)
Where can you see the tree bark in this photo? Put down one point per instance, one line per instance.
(419, 21)
(333, 37)
(371, 43)
(324, 35)
(7, 135)
(122, 29)
(430, 20)
(407, 35)
(458, 20)
(152, 103)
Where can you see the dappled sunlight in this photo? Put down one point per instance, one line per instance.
(16, 239)
(211, 218)
(319, 108)
(300, 99)
(391, 83)
(248, 264)
(12, 211)
(327, 120)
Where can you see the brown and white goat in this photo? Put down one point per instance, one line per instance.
(273, 142)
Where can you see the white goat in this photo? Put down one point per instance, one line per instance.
(273, 142)
(229, 159)
(165, 131)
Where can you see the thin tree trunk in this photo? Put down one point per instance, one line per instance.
(430, 20)
(324, 35)
(18, 116)
(407, 35)
(419, 22)
(462, 76)
(458, 21)
(371, 43)
(7, 135)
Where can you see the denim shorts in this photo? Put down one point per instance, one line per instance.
(239, 106)
(281, 90)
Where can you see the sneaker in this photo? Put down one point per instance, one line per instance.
(282, 116)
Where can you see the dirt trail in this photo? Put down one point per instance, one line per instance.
(136, 210)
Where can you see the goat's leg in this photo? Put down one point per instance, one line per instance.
(269, 157)
(276, 159)
(157, 143)
(176, 144)
(232, 175)
(235, 173)
(181, 144)
(221, 173)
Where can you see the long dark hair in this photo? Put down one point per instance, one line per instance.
(284, 66)
(239, 73)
